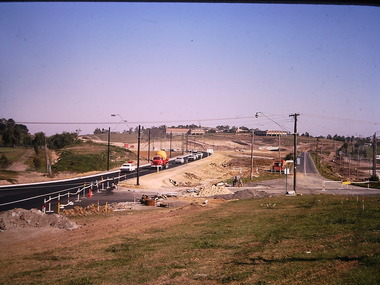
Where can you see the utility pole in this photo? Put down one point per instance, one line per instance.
(138, 157)
(170, 145)
(48, 164)
(252, 140)
(374, 150)
(148, 145)
(108, 148)
(295, 115)
(182, 142)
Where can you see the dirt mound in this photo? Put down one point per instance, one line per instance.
(21, 218)
(244, 194)
(208, 191)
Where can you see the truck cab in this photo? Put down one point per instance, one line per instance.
(160, 160)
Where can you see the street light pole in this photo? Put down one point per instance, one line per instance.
(170, 144)
(138, 157)
(148, 145)
(108, 148)
(252, 140)
(295, 115)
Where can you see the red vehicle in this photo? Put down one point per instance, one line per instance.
(160, 160)
(278, 166)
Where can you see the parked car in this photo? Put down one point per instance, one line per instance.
(180, 160)
(199, 155)
(127, 167)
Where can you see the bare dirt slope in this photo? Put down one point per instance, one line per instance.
(20, 165)
(203, 172)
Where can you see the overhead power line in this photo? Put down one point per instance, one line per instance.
(135, 122)
(341, 119)
(280, 118)
(69, 123)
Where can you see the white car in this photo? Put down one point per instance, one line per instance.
(180, 160)
(199, 155)
(192, 157)
(127, 167)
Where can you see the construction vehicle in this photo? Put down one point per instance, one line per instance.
(160, 160)
(279, 166)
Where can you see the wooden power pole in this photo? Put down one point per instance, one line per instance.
(374, 150)
(295, 115)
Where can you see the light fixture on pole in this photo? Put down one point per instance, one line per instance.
(121, 120)
(108, 148)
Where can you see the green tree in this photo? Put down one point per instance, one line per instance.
(36, 149)
(13, 134)
(39, 139)
(4, 162)
(289, 156)
(65, 139)
(37, 163)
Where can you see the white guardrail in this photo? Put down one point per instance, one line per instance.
(81, 192)
(344, 183)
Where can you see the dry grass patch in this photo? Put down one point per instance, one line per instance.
(305, 239)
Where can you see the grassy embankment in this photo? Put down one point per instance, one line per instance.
(90, 156)
(283, 240)
(83, 157)
(14, 154)
(328, 172)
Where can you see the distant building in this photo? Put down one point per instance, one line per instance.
(271, 133)
(239, 130)
(197, 132)
(177, 131)
(260, 133)
(277, 133)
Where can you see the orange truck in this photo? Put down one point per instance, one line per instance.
(160, 160)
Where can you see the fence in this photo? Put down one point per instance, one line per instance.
(344, 183)
(74, 195)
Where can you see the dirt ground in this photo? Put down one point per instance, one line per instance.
(203, 172)
(24, 232)
(27, 233)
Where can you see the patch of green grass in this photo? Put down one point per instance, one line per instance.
(12, 153)
(49, 255)
(41, 156)
(70, 161)
(325, 170)
(264, 176)
(90, 157)
(317, 239)
(82, 281)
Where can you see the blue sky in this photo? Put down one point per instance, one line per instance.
(179, 63)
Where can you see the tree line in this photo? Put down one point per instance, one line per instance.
(15, 135)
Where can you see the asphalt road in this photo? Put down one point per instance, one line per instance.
(309, 181)
(32, 195)
(306, 164)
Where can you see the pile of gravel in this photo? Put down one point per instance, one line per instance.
(244, 194)
(21, 218)
(209, 191)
